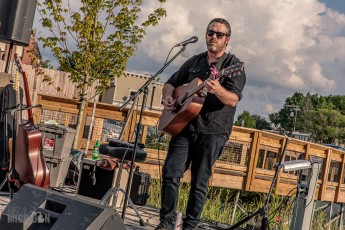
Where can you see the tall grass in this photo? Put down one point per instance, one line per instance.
(219, 206)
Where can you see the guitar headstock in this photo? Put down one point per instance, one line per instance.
(232, 70)
(18, 63)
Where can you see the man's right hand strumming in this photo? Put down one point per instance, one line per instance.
(168, 103)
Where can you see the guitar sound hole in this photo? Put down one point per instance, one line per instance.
(184, 98)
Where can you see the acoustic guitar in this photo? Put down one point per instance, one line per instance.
(29, 159)
(188, 101)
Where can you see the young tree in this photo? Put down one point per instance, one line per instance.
(94, 42)
(246, 120)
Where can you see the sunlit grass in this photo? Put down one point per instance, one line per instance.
(220, 204)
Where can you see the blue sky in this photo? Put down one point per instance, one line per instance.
(338, 5)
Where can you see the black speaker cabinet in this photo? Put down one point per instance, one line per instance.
(16, 20)
(94, 181)
(33, 207)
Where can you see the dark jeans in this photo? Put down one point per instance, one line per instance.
(201, 150)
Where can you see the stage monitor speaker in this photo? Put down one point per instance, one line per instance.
(16, 20)
(33, 207)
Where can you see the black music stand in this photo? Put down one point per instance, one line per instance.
(263, 211)
(143, 89)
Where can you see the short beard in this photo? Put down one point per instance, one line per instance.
(216, 49)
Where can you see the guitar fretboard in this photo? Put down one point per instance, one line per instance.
(230, 71)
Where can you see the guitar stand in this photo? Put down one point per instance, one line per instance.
(115, 191)
(12, 177)
(3, 184)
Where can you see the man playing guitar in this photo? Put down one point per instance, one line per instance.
(201, 140)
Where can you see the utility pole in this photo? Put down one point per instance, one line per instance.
(154, 85)
(295, 108)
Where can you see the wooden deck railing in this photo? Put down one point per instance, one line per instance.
(247, 160)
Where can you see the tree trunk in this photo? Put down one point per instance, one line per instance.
(81, 115)
(78, 132)
(83, 96)
(92, 124)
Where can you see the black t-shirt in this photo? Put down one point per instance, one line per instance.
(214, 116)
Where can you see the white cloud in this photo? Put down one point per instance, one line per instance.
(269, 108)
(287, 45)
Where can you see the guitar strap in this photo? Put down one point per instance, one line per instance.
(220, 61)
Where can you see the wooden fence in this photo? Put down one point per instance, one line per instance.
(247, 162)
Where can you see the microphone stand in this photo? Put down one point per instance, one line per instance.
(143, 89)
(263, 211)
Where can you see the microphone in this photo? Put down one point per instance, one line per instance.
(191, 40)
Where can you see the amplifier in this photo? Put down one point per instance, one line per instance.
(94, 181)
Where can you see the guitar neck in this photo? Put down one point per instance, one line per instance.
(227, 72)
(202, 85)
(27, 96)
(26, 86)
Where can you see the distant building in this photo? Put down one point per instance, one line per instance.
(127, 85)
(30, 50)
(297, 135)
(25, 52)
(301, 136)
(335, 146)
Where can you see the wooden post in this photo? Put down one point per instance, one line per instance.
(233, 213)
(143, 139)
(341, 219)
(130, 128)
(252, 161)
(38, 111)
(68, 116)
(341, 178)
(282, 143)
(330, 216)
(307, 151)
(325, 169)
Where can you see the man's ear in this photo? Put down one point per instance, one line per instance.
(227, 40)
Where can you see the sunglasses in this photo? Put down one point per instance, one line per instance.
(218, 34)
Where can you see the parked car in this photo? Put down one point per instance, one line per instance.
(335, 146)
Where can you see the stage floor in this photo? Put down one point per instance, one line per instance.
(149, 215)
